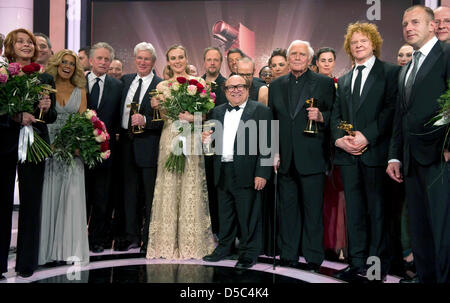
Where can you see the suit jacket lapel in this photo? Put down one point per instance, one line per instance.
(347, 97)
(373, 75)
(246, 115)
(221, 115)
(286, 94)
(104, 98)
(127, 84)
(426, 66)
(308, 87)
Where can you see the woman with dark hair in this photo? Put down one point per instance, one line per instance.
(278, 63)
(64, 234)
(180, 225)
(20, 47)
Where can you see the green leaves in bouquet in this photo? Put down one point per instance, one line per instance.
(443, 116)
(77, 133)
(19, 94)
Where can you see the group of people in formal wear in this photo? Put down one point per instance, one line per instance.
(370, 123)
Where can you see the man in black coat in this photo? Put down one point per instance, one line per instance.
(302, 161)
(103, 96)
(241, 170)
(31, 178)
(365, 98)
(139, 151)
(417, 147)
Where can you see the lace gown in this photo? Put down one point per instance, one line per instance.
(63, 219)
(180, 226)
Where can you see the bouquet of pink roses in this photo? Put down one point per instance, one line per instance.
(86, 133)
(180, 96)
(20, 90)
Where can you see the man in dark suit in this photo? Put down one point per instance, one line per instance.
(302, 162)
(212, 62)
(139, 151)
(365, 98)
(417, 146)
(239, 171)
(103, 95)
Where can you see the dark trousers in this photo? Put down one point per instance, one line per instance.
(98, 181)
(364, 189)
(428, 198)
(139, 181)
(212, 194)
(238, 205)
(301, 220)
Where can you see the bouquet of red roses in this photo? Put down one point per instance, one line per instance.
(20, 89)
(180, 96)
(86, 133)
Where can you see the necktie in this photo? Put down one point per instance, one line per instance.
(412, 76)
(356, 94)
(95, 93)
(230, 108)
(135, 100)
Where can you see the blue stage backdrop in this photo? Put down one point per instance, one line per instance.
(256, 26)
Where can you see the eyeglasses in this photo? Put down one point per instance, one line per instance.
(266, 75)
(64, 62)
(231, 88)
(444, 22)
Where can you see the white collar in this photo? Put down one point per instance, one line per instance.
(92, 77)
(426, 48)
(368, 64)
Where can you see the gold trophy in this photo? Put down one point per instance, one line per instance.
(134, 108)
(348, 127)
(311, 126)
(156, 113)
(208, 149)
(47, 89)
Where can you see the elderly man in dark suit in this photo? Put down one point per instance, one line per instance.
(303, 161)
(239, 171)
(365, 98)
(418, 147)
(104, 94)
(139, 151)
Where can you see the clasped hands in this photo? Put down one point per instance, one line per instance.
(353, 144)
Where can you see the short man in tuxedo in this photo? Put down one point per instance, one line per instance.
(212, 58)
(442, 20)
(258, 90)
(417, 153)
(240, 172)
(302, 162)
(139, 151)
(104, 95)
(365, 98)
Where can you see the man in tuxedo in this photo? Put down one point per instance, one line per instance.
(103, 95)
(442, 20)
(212, 58)
(365, 98)
(302, 162)
(417, 146)
(239, 171)
(139, 151)
(258, 90)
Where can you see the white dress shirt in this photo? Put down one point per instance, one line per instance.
(230, 127)
(91, 80)
(131, 91)
(365, 72)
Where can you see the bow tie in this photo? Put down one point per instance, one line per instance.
(230, 108)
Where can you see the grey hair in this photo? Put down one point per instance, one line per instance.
(247, 60)
(147, 47)
(310, 49)
(101, 45)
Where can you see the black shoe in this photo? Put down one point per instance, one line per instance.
(288, 263)
(143, 249)
(25, 274)
(245, 263)
(2, 277)
(214, 257)
(97, 248)
(350, 272)
(414, 279)
(313, 267)
(126, 246)
(107, 245)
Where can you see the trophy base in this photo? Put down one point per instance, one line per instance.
(137, 132)
(39, 120)
(154, 120)
(310, 131)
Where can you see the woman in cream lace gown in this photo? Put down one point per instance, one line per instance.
(180, 226)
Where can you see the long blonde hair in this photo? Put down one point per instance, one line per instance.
(78, 79)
